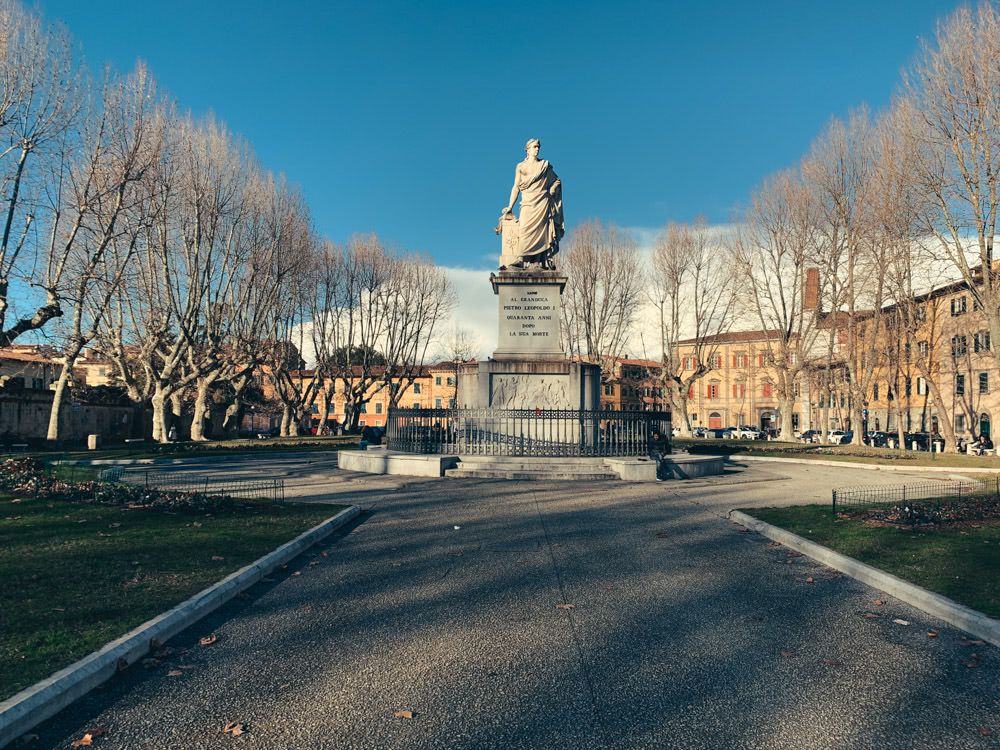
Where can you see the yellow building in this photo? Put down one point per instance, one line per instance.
(740, 386)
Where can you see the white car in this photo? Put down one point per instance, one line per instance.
(746, 432)
(835, 436)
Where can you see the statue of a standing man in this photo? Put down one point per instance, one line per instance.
(540, 222)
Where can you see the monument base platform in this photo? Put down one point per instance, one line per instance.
(529, 384)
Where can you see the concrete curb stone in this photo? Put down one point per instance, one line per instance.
(858, 465)
(969, 620)
(33, 705)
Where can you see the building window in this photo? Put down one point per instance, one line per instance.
(37, 384)
(739, 390)
(416, 387)
(314, 409)
(437, 403)
(767, 389)
(958, 305)
(981, 341)
(960, 385)
(378, 408)
(364, 408)
(923, 349)
(909, 387)
(716, 361)
(793, 358)
(437, 380)
(959, 423)
(984, 382)
(713, 390)
(450, 380)
(921, 387)
(959, 345)
(875, 392)
(609, 390)
(451, 403)
(416, 404)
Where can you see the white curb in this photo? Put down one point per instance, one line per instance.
(736, 457)
(33, 705)
(969, 620)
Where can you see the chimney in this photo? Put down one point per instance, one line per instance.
(810, 292)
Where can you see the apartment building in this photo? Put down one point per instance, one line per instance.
(739, 388)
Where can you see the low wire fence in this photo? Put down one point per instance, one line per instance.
(874, 496)
(244, 489)
(528, 432)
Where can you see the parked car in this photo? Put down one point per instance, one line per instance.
(715, 432)
(810, 436)
(676, 431)
(700, 432)
(878, 439)
(847, 437)
(835, 436)
(747, 432)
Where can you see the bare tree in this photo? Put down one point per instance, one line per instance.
(953, 93)
(121, 143)
(40, 93)
(603, 294)
(692, 290)
(775, 254)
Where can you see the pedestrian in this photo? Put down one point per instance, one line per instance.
(172, 434)
(657, 450)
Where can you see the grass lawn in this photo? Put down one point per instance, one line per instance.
(961, 563)
(199, 449)
(75, 576)
(855, 454)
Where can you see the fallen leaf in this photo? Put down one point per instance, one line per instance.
(84, 741)
(150, 663)
(870, 615)
(972, 642)
(116, 526)
(324, 554)
(217, 558)
(58, 609)
(185, 666)
(793, 553)
(832, 662)
(565, 606)
(208, 640)
(457, 528)
(662, 534)
(297, 573)
(985, 731)
(234, 728)
(969, 663)
(282, 687)
(878, 602)
(196, 524)
(809, 579)
(405, 713)
(932, 634)
(788, 653)
(773, 545)
(174, 673)
(901, 622)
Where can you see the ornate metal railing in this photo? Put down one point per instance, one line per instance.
(527, 432)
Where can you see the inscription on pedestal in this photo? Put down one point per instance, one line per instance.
(529, 319)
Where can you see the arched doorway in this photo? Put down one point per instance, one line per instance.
(715, 421)
(984, 425)
(769, 418)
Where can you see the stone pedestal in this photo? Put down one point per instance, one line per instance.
(529, 369)
(530, 306)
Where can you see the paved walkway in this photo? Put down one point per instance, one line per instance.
(683, 633)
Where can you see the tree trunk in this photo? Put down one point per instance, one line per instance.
(857, 425)
(286, 420)
(785, 410)
(160, 429)
(200, 409)
(57, 399)
(234, 415)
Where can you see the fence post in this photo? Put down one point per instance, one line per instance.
(835, 503)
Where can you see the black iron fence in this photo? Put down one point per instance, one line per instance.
(528, 432)
(872, 496)
(245, 489)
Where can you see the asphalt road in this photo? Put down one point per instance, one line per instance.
(679, 631)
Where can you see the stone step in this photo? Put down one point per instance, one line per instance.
(536, 473)
(547, 467)
(533, 461)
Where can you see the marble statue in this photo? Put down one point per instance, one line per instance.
(539, 225)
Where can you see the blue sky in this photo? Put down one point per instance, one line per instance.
(407, 118)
